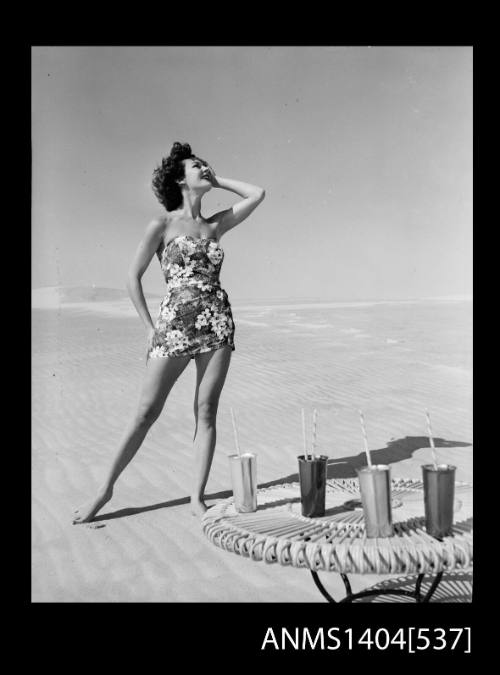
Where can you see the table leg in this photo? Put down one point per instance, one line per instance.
(416, 594)
(322, 589)
(433, 587)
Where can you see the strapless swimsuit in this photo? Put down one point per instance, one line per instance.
(195, 315)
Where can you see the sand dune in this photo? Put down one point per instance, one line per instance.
(110, 301)
(88, 365)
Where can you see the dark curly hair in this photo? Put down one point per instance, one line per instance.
(166, 175)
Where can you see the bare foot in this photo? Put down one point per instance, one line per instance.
(85, 513)
(198, 507)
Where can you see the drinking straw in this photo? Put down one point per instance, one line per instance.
(365, 439)
(304, 432)
(235, 433)
(315, 418)
(429, 428)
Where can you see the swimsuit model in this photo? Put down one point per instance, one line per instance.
(195, 314)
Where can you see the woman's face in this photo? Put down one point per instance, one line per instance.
(196, 174)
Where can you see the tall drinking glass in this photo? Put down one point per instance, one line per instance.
(439, 494)
(312, 478)
(375, 488)
(244, 481)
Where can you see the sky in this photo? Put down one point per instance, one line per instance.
(365, 154)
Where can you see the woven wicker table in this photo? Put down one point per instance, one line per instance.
(278, 533)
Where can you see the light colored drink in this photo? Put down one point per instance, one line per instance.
(244, 481)
(375, 488)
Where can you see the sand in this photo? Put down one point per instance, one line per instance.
(390, 359)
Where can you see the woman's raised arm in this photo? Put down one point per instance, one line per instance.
(229, 218)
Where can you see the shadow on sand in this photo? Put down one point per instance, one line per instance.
(395, 451)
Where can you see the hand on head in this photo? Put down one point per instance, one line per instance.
(210, 174)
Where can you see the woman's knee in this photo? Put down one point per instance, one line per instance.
(207, 411)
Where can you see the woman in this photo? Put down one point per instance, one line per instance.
(194, 321)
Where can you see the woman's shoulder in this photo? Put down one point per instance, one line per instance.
(156, 230)
(158, 225)
(159, 221)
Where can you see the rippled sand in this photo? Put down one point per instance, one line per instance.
(392, 360)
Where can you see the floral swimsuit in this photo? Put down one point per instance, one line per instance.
(195, 315)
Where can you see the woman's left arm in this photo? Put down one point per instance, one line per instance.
(229, 218)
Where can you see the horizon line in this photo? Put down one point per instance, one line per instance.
(304, 299)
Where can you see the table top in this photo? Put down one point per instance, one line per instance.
(278, 533)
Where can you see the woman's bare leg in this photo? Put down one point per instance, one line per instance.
(161, 375)
(211, 371)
